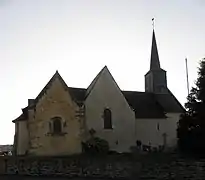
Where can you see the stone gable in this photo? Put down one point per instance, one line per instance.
(56, 102)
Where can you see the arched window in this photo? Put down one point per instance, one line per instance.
(57, 125)
(107, 119)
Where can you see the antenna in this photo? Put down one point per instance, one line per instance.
(187, 76)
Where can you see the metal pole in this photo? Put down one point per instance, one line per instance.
(187, 76)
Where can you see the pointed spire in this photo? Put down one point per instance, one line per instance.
(154, 64)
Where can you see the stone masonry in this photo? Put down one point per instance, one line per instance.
(117, 167)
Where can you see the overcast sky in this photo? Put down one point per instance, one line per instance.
(79, 37)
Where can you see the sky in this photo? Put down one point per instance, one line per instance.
(79, 37)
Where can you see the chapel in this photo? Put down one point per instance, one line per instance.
(59, 119)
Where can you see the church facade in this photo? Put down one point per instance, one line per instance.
(60, 118)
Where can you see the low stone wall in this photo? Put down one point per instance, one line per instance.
(100, 167)
(118, 167)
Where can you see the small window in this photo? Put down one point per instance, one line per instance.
(57, 125)
(107, 119)
(158, 126)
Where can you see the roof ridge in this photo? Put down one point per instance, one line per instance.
(56, 75)
(42, 92)
(92, 84)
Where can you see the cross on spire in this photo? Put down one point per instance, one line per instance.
(153, 23)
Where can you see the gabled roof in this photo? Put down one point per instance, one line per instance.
(104, 70)
(144, 104)
(47, 86)
(92, 84)
(74, 96)
(77, 94)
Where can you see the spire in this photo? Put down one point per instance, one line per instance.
(156, 78)
(154, 64)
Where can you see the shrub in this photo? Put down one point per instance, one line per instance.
(95, 145)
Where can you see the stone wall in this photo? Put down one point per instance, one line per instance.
(101, 167)
(56, 101)
(126, 167)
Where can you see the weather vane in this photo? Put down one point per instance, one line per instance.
(153, 23)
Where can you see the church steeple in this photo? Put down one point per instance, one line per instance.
(155, 79)
(154, 63)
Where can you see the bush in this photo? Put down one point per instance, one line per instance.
(96, 145)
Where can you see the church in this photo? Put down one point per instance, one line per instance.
(60, 118)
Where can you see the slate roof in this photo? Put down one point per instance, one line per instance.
(170, 103)
(144, 104)
(78, 94)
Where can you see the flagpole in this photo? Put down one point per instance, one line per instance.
(187, 76)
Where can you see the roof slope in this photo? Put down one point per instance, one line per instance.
(144, 104)
(170, 103)
(92, 84)
(77, 94)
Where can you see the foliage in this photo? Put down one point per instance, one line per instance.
(191, 126)
(95, 145)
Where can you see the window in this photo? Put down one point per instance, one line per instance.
(57, 125)
(158, 126)
(107, 119)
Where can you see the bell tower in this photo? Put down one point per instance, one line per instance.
(156, 78)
